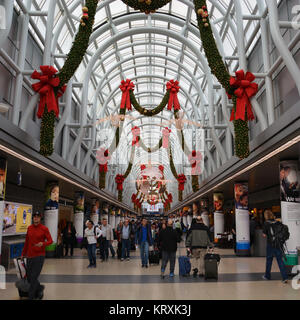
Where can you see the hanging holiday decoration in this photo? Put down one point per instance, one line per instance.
(218, 68)
(161, 168)
(181, 181)
(126, 87)
(48, 82)
(166, 134)
(245, 90)
(136, 131)
(173, 88)
(72, 62)
(119, 181)
(146, 6)
(195, 161)
(102, 157)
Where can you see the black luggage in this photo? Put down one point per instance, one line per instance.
(154, 257)
(59, 251)
(211, 263)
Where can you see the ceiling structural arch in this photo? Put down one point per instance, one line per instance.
(151, 50)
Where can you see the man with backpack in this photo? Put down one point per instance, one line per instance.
(92, 233)
(276, 234)
(197, 241)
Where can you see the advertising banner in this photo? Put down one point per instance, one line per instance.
(79, 214)
(204, 211)
(242, 219)
(3, 171)
(289, 177)
(51, 213)
(218, 198)
(95, 211)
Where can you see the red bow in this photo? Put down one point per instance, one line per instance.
(126, 87)
(181, 180)
(103, 162)
(173, 87)
(133, 198)
(161, 168)
(245, 90)
(135, 135)
(143, 167)
(119, 181)
(46, 89)
(170, 197)
(195, 161)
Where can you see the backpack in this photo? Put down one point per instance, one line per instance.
(279, 234)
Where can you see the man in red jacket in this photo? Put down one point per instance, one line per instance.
(37, 238)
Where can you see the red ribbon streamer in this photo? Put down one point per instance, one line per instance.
(103, 167)
(126, 87)
(136, 135)
(173, 87)
(45, 88)
(181, 180)
(119, 181)
(245, 90)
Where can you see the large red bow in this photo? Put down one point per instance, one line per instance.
(245, 90)
(135, 135)
(173, 99)
(119, 181)
(102, 157)
(181, 180)
(45, 88)
(126, 87)
(161, 168)
(133, 198)
(143, 167)
(170, 197)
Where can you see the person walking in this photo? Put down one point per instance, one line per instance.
(269, 230)
(69, 238)
(125, 238)
(168, 239)
(92, 233)
(197, 242)
(145, 240)
(106, 239)
(37, 238)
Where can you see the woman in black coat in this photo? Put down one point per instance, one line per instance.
(69, 237)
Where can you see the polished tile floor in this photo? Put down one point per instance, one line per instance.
(239, 278)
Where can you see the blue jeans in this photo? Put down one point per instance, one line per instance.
(91, 249)
(144, 247)
(274, 252)
(125, 248)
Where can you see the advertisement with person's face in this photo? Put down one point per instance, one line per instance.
(79, 201)
(289, 181)
(241, 195)
(52, 196)
(218, 201)
(95, 206)
(3, 165)
(204, 204)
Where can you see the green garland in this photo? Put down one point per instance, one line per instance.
(147, 6)
(219, 69)
(72, 62)
(102, 178)
(153, 112)
(195, 183)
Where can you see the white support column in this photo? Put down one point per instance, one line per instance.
(280, 44)
(23, 36)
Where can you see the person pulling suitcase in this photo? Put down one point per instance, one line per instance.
(198, 240)
(37, 238)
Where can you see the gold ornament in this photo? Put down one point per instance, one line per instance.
(85, 9)
(148, 2)
(206, 24)
(200, 12)
(83, 24)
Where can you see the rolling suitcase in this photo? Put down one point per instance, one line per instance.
(184, 266)
(211, 263)
(22, 284)
(154, 257)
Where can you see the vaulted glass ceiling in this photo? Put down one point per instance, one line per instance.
(122, 46)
